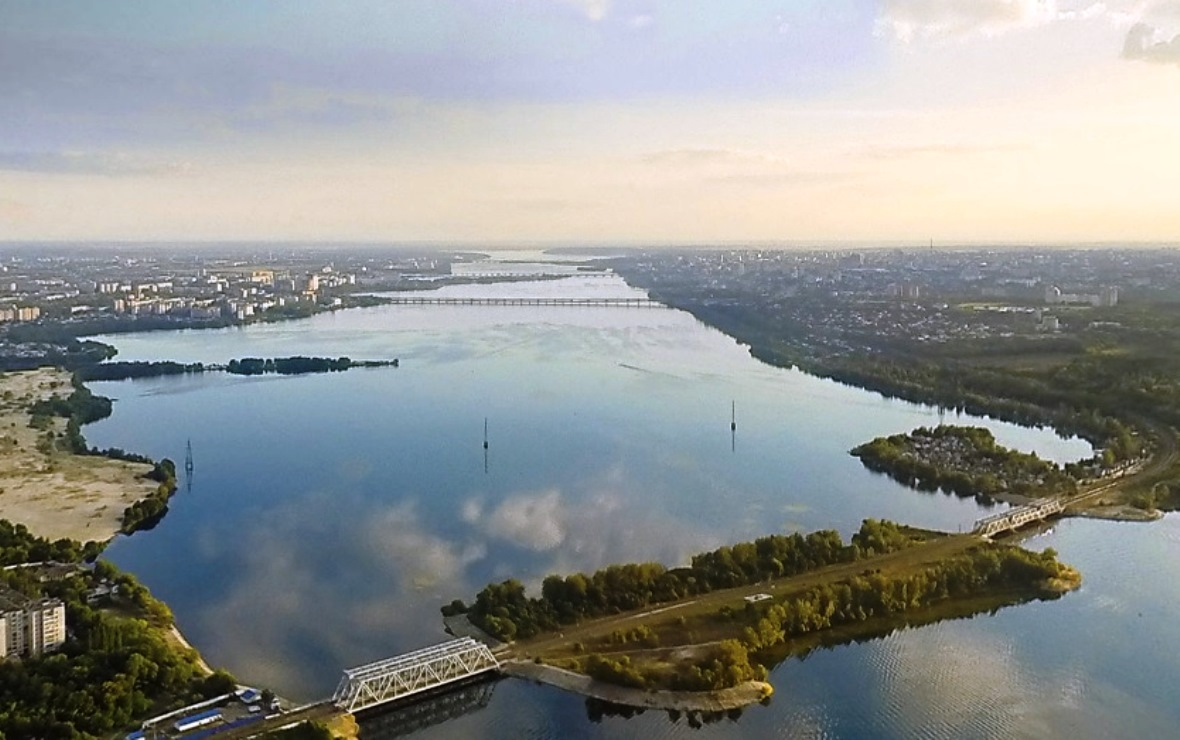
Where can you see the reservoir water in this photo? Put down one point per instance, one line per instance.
(330, 516)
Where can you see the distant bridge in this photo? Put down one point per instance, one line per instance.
(413, 673)
(1019, 516)
(525, 275)
(615, 302)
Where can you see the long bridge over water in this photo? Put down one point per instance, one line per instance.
(599, 302)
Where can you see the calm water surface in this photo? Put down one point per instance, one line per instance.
(331, 515)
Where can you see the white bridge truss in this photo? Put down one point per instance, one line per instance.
(1038, 510)
(412, 673)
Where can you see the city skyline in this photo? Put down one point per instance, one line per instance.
(632, 121)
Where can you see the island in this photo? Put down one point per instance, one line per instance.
(297, 365)
(966, 461)
(984, 332)
(701, 637)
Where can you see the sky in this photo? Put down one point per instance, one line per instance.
(591, 121)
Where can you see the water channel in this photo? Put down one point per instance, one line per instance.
(330, 515)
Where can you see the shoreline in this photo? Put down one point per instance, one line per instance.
(720, 700)
(179, 637)
(57, 493)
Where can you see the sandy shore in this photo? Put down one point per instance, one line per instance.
(58, 494)
(178, 636)
(723, 700)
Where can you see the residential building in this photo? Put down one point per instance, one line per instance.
(30, 627)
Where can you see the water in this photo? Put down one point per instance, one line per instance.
(331, 515)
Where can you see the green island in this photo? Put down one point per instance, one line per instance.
(716, 624)
(966, 461)
(297, 365)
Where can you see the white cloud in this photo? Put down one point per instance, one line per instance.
(595, 10)
(535, 521)
(1144, 44)
(90, 163)
(640, 21)
(909, 20)
(699, 156)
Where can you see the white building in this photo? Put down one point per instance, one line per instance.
(30, 627)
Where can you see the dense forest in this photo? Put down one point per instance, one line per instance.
(965, 461)
(116, 665)
(503, 609)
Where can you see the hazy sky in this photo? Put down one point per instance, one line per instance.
(591, 120)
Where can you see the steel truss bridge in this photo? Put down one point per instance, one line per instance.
(413, 673)
(1036, 511)
(616, 302)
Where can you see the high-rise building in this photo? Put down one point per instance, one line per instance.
(30, 627)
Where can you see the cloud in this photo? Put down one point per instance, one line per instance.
(532, 521)
(704, 157)
(777, 179)
(934, 150)
(14, 210)
(595, 10)
(908, 20)
(1142, 45)
(89, 163)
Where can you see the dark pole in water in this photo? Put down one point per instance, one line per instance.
(485, 432)
(733, 416)
(188, 466)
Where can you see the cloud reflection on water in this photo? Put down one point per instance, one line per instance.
(336, 579)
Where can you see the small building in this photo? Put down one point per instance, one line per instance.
(193, 721)
(249, 695)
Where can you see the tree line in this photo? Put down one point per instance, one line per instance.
(857, 600)
(296, 365)
(505, 611)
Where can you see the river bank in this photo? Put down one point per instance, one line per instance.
(55, 493)
(721, 700)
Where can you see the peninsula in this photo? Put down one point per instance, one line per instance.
(44, 483)
(702, 636)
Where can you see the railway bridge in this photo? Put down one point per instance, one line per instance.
(1017, 517)
(413, 673)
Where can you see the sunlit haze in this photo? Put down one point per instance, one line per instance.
(674, 121)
